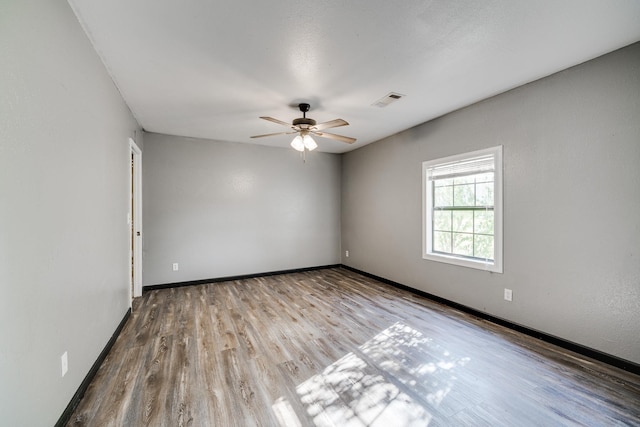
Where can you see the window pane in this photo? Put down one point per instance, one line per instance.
(483, 222)
(484, 177)
(463, 244)
(443, 196)
(443, 182)
(463, 195)
(469, 179)
(463, 221)
(442, 220)
(442, 242)
(484, 194)
(483, 247)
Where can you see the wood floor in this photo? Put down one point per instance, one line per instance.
(333, 348)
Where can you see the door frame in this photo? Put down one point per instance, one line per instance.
(135, 211)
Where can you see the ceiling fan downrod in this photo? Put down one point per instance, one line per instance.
(303, 121)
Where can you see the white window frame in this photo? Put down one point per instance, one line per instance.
(494, 266)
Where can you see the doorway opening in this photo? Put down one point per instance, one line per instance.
(135, 219)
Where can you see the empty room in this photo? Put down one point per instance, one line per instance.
(296, 213)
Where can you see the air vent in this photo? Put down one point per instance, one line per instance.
(387, 99)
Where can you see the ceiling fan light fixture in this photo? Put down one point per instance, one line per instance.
(298, 143)
(309, 143)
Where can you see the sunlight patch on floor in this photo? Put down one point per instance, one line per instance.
(398, 378)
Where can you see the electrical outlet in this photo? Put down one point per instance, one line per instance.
(175, 266)
(64, 364)
(508, 294)
(346, 253)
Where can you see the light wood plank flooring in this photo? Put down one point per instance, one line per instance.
(333, 348)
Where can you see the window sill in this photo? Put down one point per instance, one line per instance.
(464, 262)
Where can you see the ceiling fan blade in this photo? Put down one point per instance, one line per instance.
(280, 122)
(331, 124)
(346, 139)
(272, 134)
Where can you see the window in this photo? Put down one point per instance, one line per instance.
(462, 209)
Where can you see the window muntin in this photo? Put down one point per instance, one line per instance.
(462, 204)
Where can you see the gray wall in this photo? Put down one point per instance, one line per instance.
(64, 133)
(572, 233)
(571, 204)
(220, 209)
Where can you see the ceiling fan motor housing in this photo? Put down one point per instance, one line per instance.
(304, 121)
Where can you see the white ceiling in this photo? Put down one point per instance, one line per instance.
(210, 68)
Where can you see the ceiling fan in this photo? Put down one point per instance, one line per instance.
(305, 127)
